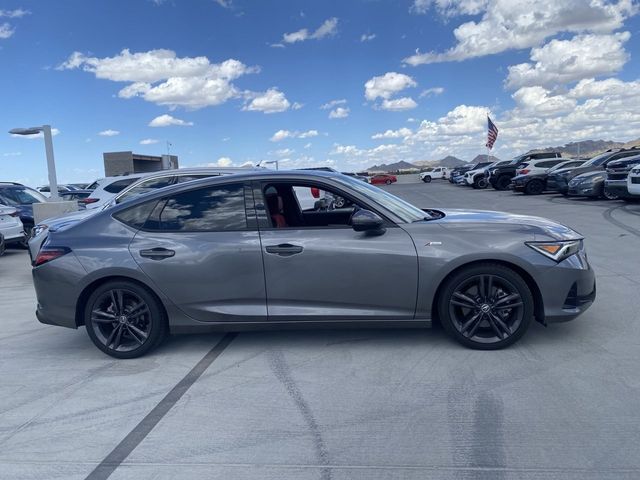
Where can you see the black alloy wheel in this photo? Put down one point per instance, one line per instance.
(486, 306)
(503, 182)
(534, 187)
(607, 195)
(124, 320)
(480, 182)
(426, 179)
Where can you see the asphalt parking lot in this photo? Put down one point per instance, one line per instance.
(340, 404)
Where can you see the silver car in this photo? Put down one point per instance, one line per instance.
(238, 252)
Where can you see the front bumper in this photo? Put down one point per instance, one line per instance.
(568, 289)
(584, 190)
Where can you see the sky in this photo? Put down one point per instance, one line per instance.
(342, 83)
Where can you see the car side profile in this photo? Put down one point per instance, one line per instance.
(236, 252)
(383, 179)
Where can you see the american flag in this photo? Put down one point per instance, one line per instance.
(492, 133)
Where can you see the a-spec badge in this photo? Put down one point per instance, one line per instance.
(432, 244)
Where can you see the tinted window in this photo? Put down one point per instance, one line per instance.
(548, 164)
(136, 216)
(119, 185)
(22, 196)
(146, 186)
(206, 209)
(189, 178)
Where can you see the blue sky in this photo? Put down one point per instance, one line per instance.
(409, 80)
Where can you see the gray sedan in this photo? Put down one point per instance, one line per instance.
(239, 252)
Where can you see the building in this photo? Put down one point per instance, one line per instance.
(121, 163)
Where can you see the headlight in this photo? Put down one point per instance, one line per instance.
(557, 251)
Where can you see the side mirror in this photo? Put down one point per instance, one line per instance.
(367, 221)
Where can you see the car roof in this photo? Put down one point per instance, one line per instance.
(181, 171)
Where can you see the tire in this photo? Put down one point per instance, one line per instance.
(426, 179)
(534, 187)
(476, 326)
(388, 182)
(480, 183)
(503, 182)
(609, 196)
(139, 333)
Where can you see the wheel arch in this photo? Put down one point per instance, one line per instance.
(91, 287)
(538, 302)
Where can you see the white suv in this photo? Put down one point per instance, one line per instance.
(478, 178)
(434, 173)
(11, 227)
(540, 165)
(633, 181)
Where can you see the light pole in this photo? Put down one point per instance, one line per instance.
(48, 146)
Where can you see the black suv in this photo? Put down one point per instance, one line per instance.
(559, 181)
(21, 197)
(500, 177)
(615, 185)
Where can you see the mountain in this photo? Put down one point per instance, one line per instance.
(448, 161)
(585, 148)
(392, 167)
(484, 158)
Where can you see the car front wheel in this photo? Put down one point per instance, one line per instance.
(426, 179)
(486, 306)
(388, 182)
(480, 183)
(534, 187)
(124, 319)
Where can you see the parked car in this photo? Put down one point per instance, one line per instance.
(500, 178)
(633, 183)
(104, 189)
(615, 183)
(46, 191)
(459, 179)
(536, 183)
(75, 194)
(235, 252)
(535, 166)
(434, 173)
(478, 177)
(559, 180)
(383, 179)
(590, 184)
(21, 197)
(11, 228)
(458, 172)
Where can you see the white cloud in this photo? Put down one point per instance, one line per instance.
(282, 134)
(148, 141)
(429, 92)
(307, 145)
(339, 112)
(54, 132)
(328, 29)
(450, 8)
(540, 102)
(224, 162)
(367, 37)
(17, 13)
(224, 3)
(333, 103)
(284, 152)
(398, 104)
(160, 77)
(6, 31)
(271, 101)
(517, 24)
(12, 154)
(109, 133)
(166, 120)
(566, 61)
(387, 85)
(400, 133)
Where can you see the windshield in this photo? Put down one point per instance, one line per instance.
(405, 211)
(515, 161)
(597, 160)
(22, 196)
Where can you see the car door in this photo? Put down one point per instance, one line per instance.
(202, 249)
(331, 272)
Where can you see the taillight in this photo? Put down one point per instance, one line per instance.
(46, 254)
(524, 171)
(315, 192)
(88, 200)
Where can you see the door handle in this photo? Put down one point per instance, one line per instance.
(284, 249)
(157, 253)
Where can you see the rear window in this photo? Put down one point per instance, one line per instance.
(119, 185)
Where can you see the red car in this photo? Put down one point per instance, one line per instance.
(384, 178)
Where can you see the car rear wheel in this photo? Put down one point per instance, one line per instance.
(534, 187)
(486, 306)
(480, 183)
(502, 183)
(124, 319)
(608, 195)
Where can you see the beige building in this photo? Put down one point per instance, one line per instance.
(121, 163)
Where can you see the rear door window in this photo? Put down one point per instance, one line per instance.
(119, 185)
